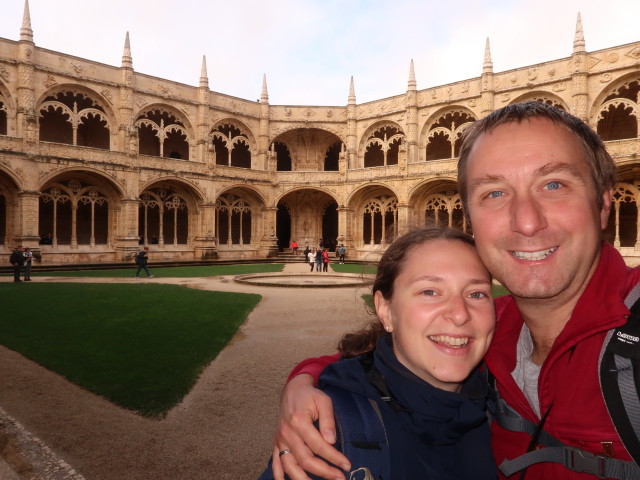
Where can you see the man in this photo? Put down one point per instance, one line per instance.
(342, 251)
(142, 259)
(319, 259)
(28, 257)
(536, 184)
(17, 260)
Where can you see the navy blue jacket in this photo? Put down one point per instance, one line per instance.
(435, 434)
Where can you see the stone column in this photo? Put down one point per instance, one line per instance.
(207, 243)
(269, 241)
(28, 218)
(127, 240)
(404, 220)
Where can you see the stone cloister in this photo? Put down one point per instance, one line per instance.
(96, 160)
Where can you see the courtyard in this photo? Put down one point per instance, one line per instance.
(222, 428)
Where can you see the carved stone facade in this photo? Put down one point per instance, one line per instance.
(96, 160)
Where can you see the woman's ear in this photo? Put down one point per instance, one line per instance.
(383, 310)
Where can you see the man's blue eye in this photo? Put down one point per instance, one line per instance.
(495, 194)
(553, 185)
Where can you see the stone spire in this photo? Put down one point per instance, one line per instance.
(204, 80)
(578, 41)
(127, 61)
(412, 77)
(352, 93)
(26, 34)
(264, 95)
(487, 66)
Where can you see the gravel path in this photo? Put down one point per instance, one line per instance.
(221, 430)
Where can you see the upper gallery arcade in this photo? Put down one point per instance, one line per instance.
(96, 160)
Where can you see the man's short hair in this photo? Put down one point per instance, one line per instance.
(602, 166)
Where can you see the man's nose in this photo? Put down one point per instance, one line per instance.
(527, 215)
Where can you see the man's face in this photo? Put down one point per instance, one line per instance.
(533, 209)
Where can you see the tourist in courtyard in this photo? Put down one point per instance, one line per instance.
(142, 259)
(294, 247)
(17, 260)
(306, 253)
(325, 260)
(311, 258)
(417, 363)
(28, 257)
(536, 185)
(319, 259)
(342, 251)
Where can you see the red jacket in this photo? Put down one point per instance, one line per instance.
(569, 375)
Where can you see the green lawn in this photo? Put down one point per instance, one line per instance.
(353, 268)
(175, 272)
(142, 346)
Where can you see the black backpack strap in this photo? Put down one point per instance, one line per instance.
(620, 376)
(361, 434)
(555, 451)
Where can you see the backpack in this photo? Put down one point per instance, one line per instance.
(362, 435)
(620, 376)
(619, 371)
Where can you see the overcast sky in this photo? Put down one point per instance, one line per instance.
(309, 49)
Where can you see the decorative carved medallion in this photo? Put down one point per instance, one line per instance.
(50, 81)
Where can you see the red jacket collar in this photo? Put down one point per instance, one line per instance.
(600, 308)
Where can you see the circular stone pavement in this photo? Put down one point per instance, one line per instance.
(302, 280)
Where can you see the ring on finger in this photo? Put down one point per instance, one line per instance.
(284, 452)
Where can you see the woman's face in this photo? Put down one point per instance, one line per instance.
(441, 313)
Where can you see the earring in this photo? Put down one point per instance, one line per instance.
(387, 328)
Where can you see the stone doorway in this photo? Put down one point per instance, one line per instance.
(309, 217)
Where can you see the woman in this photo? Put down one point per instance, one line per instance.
(418, 361)
(325, 260)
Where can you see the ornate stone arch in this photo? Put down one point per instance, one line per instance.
(441, 133)
(380, 144)
(10, 186)
(75, 115)
(375, 215)
(76, 209)
(96, 98)
(7, 111)
(239, 211)
(164, 131)
(232, 143)
(437, 202)
(168, 211)
(624, 222)
(543, 97)
(617, 117)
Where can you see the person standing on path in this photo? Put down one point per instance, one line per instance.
(311, 258)
(319, 259)
(28, 257)
(141, 260)
(342, 251)
(325, 260)
(17, 260)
